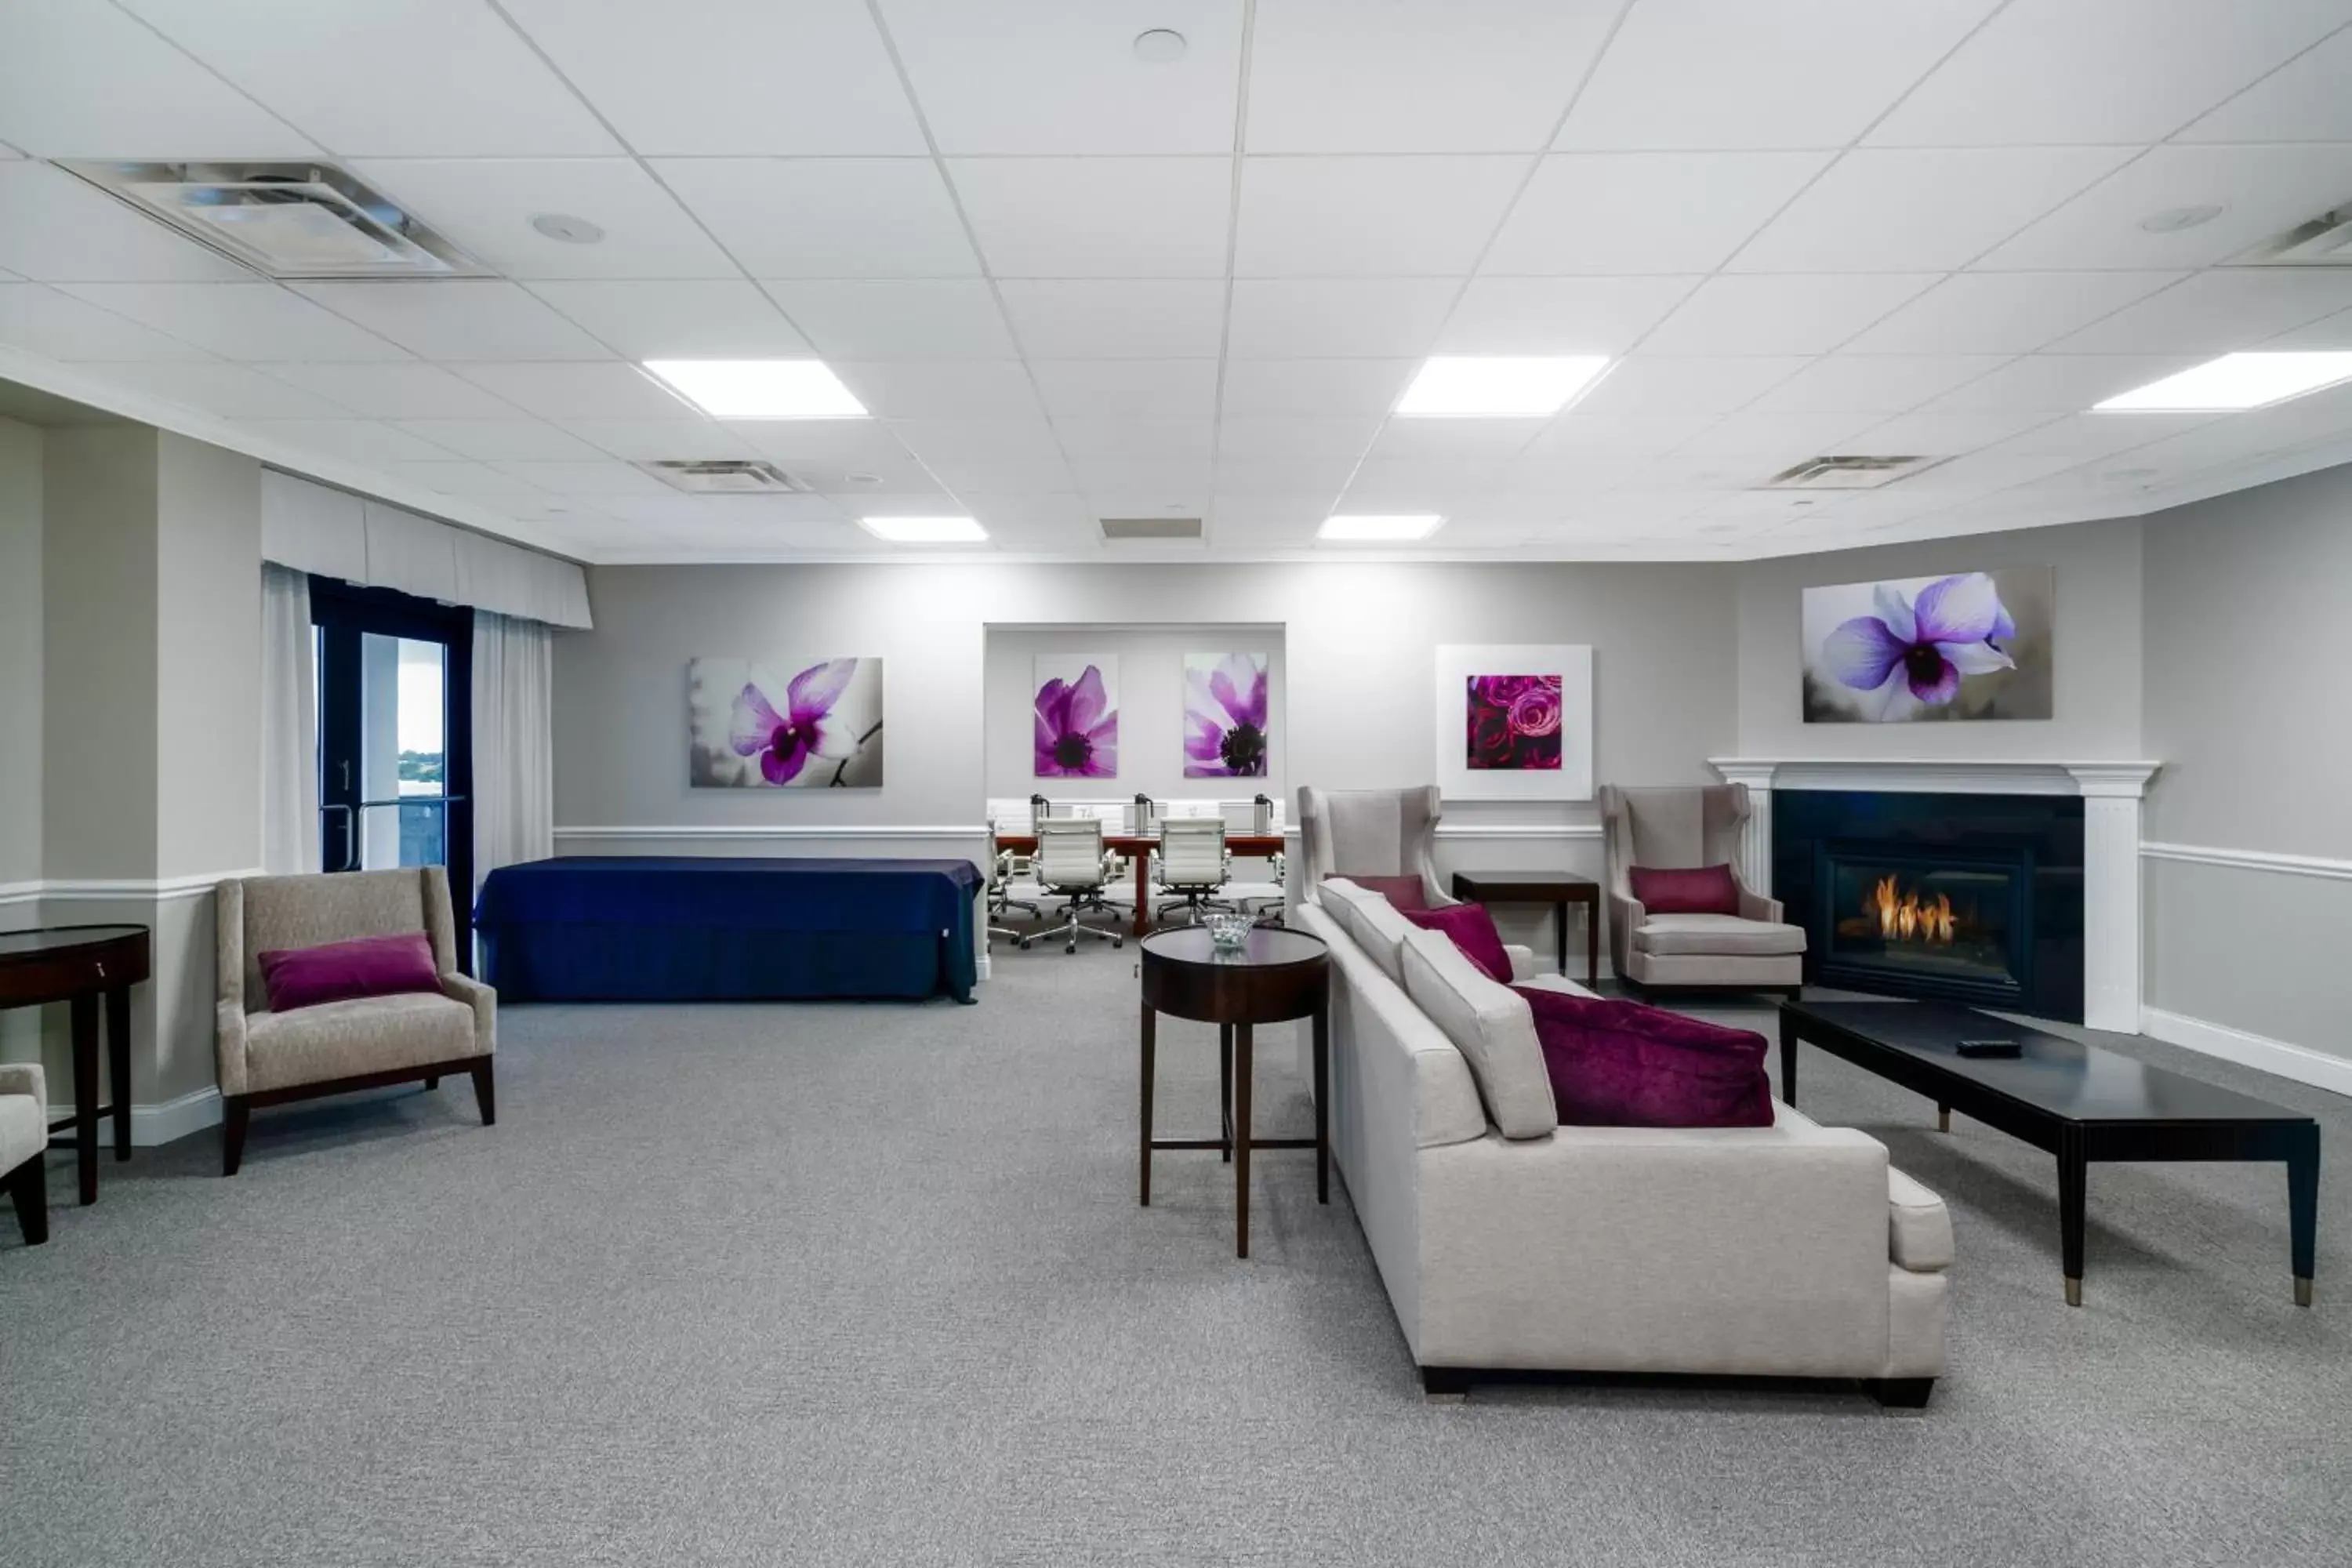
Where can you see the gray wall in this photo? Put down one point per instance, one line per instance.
(208, 674)
(20, 653)
(2096, 707)
(2247, 707)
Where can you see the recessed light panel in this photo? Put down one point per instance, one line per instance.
(925, 529)
(1389, 530)
(1498, 388)
(760, 388)
(2234, 382)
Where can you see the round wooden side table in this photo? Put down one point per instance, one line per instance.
(1273, 975)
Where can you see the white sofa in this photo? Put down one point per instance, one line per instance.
(1789, 1250)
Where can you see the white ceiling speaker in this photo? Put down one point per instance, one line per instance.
(569, 230)
(2172, 220)
(1159, 46)
(297, 220)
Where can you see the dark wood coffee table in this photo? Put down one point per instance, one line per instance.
(1558, 888)
(2080, 1103)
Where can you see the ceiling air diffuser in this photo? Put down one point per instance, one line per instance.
(291, 220)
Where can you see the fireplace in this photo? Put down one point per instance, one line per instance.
(1966, 898)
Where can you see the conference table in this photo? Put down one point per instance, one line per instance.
(1137, 847)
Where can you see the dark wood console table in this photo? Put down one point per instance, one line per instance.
(1558, 888)
(79, 966)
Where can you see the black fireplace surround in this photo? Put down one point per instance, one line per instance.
(1962, 897)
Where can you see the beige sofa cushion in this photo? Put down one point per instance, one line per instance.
(1716, 936)
(1371, 921)
(1918, 1229)
(345, 1039)
(1493, 1030)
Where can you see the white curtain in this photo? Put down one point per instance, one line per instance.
(289, 725)
(514, 733)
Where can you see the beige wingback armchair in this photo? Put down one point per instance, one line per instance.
(267, 1057)
(23, 1139)
(1370, 833)
(1665, 829)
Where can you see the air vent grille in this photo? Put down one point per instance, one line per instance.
(1140, 529)
(284, 220)
(1846, 472)
(724, 476)
(2325, 241)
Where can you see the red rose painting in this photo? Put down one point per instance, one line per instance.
(1512, 723)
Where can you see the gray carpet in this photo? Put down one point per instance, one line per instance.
(848, 1285)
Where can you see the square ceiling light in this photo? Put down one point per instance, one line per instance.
(1454, 388)
(760, 388)
(925, 529)
(2234, 382)
(1385, 530)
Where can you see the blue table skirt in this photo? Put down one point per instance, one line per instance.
(685, 928)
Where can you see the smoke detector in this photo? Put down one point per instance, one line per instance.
(284, 220)
(724, 476)
(2325, 241)
(1846, 472)
(1150, 529)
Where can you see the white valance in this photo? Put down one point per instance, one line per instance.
(334, 533)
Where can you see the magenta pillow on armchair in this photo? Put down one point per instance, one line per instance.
(339, 971)
(1401, 892)
(1623, 1064)
(1688, 891)
(1472, 931)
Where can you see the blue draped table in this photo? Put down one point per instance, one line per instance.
(625, 928)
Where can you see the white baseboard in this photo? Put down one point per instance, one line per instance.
(154, 1124)
(2300, 1063)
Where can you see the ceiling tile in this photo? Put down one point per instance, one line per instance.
(2302, 100)
(460, 319)
(1098, 217)
(1389, 486)
(1185, 440)
(1948, 432)
(486, 205)
(965, 475)
(353, 440)
(1378, 217)
(1920, 210)
(646, 441)
(2062, 383)
(1418, 75)
(1645, 211)
(719, 78)
(54, 228)
(2262, 191)
(594, 480)
(2051, 71)
(1558, 315)
(1781, 313)
(1117, 318)
(980, 440)
(1771, 442)
(240, 320)
(490, 440)
(409, 391)
(558, 391)
(1485, 441)
(1582, 434)
(1671, 386)
(703, 319)
(1283, 435)
(423, 79)
(1048, 521)
(468, 480)
(824, 444)
(1880, 384)
(2005, 312)
(1338, 318)
(947, 389)
(899, 319)
(1062, 76)
(2217, 312)
(1266, 517)
(1287, 473)
(1731, 73)
(1124, 486)
(57, 326)
(90, 81)
(1314, 386)
(2328, 332)
(2083, 437)
(228, 391)
(827, 217)
(1127, 389)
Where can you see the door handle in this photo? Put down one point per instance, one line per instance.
(349, 859)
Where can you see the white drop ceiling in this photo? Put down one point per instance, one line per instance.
(1070, 284)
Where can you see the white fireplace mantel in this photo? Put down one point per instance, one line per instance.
(2110, 791)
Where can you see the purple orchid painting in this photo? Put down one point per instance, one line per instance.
(1225, 725)
(1972, 646)
(790, 726)
(1076, 719)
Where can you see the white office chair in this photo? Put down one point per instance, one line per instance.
(1191, 863)
(1001, 900)
(1071, 865)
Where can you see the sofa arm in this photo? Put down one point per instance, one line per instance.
(26, 1078)
(1755, 906)
(1523, 960)
(1918, 1227)
(483, 1000)
(228, 1044)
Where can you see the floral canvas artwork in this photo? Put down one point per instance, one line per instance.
(1971, 646)
(1512, 723)
(1225, 715)
(1076, 719)
(788, 725)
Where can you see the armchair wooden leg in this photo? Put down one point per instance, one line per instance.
(235, 1113)
(28, 1184)
(432, 1082)
(485, 1093)
(1901, 1392)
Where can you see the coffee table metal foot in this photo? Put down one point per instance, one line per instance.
(2301, 1291)
(1943, 1119)
(2073, 1291)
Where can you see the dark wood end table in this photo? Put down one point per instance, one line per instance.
(2079, 1103)
(1558, 888)
(81, 966)
(1275, 974)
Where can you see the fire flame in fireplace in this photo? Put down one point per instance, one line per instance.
(1907, 917)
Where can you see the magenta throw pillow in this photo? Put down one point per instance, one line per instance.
(339, 971)
(1624, 1064)
(1401, 892)
(1693, 890)
(1472, 931)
